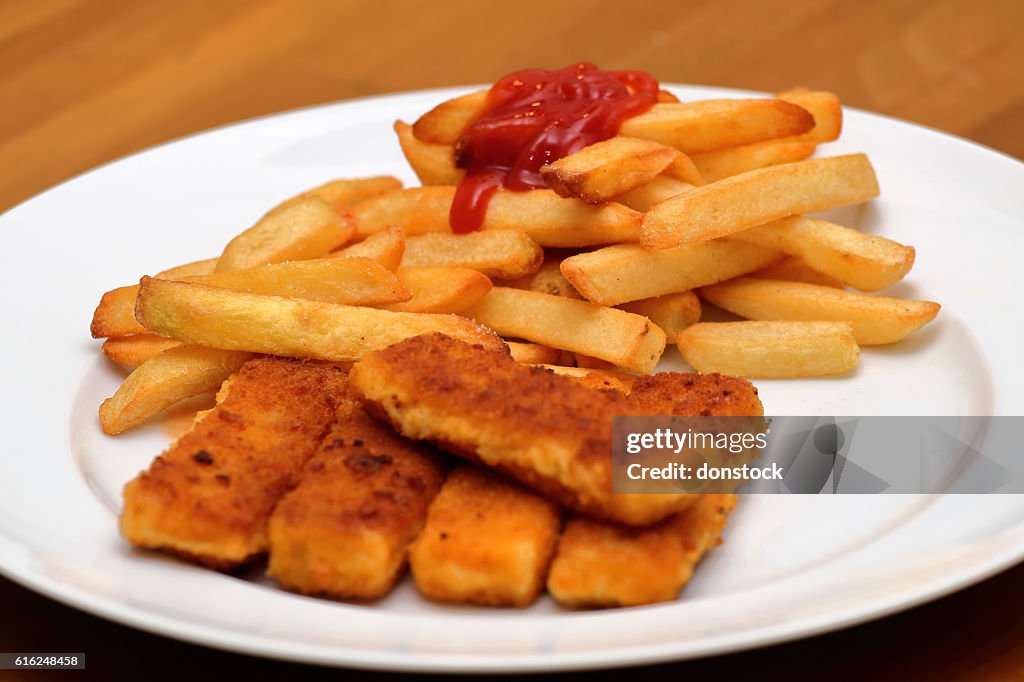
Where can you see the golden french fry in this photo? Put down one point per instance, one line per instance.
(863, 261)
(773, 350)
(757, 197)
(550, 220)
(308, 228)
(826, 109)
(440, 290)
(417, 210)
(173, 375)
(199, 267)
(875, 319)
(115, 314)
(606, 169)
(654, 192)
(627, 272)
(434, 164)
(672, 312)
(595, 378)
(495, 253)
(534, 353)
(626, 340)
(685, 170)
(794, 269)
(132, 351)
(709, 125)
(352, 281)
(547, 280)
(341, 194)
(293, 327)
(589, 362)
(386, 247)
(444, 123)
(714, 166)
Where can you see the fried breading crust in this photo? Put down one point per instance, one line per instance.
(345, 529)
(602, 564)
(696, 395)
(487, 540)
(547, 431)
(208, 497)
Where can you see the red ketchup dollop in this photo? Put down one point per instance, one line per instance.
(535, 117)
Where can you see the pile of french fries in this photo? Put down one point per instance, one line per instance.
(592, 276)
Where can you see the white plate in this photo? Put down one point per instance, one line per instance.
(791, 566)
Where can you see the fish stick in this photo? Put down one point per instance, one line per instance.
(602, 564)
(547, 431)
(208, 497)
(344, 530)
(487, 540)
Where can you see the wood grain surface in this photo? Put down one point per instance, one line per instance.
(83, 82)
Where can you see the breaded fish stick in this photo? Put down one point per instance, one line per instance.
(208, 497)
(345, 529)
(602, 564)
(487, 541)
(547, 431)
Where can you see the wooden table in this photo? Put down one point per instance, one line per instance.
(83, 82)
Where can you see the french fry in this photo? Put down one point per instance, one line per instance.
(440, 290)
(794, 269)
(199, 267)
(626, 340)
(417, 210)
(342, 194)
(863, 261)
(550, 220)
(308, 228)
(352, 281)
(757, 197)
(547, 280)
(685, 170)
(115, 314)
(588, 362)
(444, 123)
(132, 351)
(774, 350)
(627, 272)
(606, 169)
(534, 353)
(386, 247)
(654, 192)
(434, 164)
(292, 327)
(876, 319)
(826, 109)
(714, 166)
(496, 253)
(706, 126)
(595, 378)
(173, 375)
(672, 312)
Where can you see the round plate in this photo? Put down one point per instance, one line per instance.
(790, 566)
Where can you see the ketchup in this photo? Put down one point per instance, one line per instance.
(534, 117)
